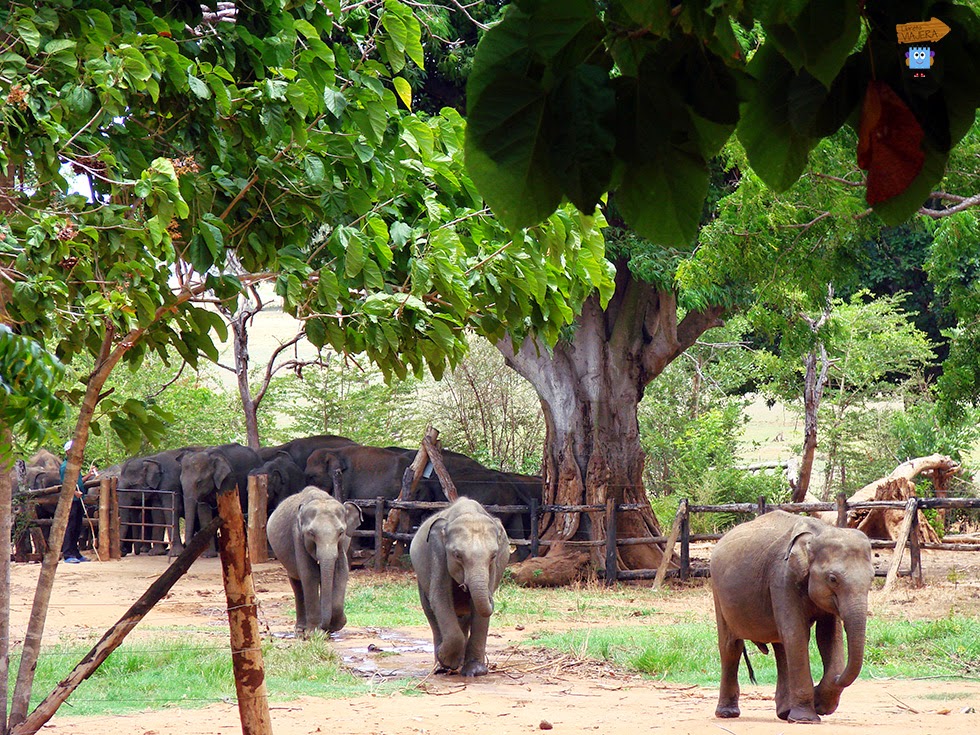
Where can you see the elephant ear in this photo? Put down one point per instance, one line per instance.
(798, 550)
(152, 474)
(437, 532)
(353, 517)
(222, 472)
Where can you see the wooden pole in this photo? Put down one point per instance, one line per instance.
(104, 501)
(841, 510)
(685, 547)
(258, 515)
(911, 511)
(675, 530)
(610, 541)
(379, 529)
(246, 642)
(115, 543)
(410, 481)
(535, 518)
(915, 555)
(434, 452)
(117, 633)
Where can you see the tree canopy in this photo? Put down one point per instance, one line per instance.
(571, 99)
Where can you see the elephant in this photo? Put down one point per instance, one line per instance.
(357, 472)
(154, 481)
(300, 449)
(772, 579)
(459, 555)
(285, 478)
(310, 533)
(205, 473)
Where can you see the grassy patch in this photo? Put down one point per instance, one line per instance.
(173, 672)
(688, 653)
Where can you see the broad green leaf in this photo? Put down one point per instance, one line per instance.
(404, 91)
(28, 34)
(506, 155)
(198, 87)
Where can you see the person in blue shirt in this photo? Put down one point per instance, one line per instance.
(69, 547)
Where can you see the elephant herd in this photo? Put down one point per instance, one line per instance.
(188, 480)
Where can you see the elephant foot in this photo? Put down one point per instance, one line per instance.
(802, 715)
(450, 654)
(826, 699)
(728, 712)
(157, 551)
(336, 623)
(474, 668)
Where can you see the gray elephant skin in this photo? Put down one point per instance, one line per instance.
(310, 533)
(459, 555)
(285, 478)
(300, 449)
(212, 470)
(152, 480)
(773, 578)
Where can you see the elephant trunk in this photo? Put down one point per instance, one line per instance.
(481, 596)
(855, 621)
(324, 616)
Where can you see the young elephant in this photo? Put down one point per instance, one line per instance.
(459, 555)
(772, 579)
(310, 533)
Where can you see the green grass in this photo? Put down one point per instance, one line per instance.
(167, 672)
(688, 652)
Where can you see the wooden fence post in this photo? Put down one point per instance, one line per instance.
(762, 505)
(258, 515)
(915, 555)
(410, 480)
(610, 541)
(379, 532)
(675, 530)
(243, 623)
(911, 511)
(115, 544)
(685, 571)
(841, 510)
(535, 508)
(105, 501)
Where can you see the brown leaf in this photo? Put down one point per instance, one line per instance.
(889, 143)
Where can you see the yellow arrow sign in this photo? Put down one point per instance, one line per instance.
(926, 30)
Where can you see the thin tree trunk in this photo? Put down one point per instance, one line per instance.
(6, 494)
(590, 388)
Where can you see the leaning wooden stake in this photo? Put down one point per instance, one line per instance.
(911, 509)
(433, 450)
(675, 531)
(246, 641)
(117, 633)
(410, 481)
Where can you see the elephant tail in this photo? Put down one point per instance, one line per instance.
(748, 664)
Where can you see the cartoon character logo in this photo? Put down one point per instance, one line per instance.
(919, 58)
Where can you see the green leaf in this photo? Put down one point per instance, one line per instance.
(334, 101)
(678, 184)
(314, 169)
(198, 87)
(507, 156)
(776, 150)
(28, 34)
(404, 91)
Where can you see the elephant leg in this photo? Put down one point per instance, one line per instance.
(430, 615)
(338, 619)
(830, 643)
(730, 648)
(309, 579)
(452, 647)
(475, 662)
(300, 628)
(798, 687)
(783, 704)
(204, 516)
(158, 518)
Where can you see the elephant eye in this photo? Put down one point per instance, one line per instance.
(832, 578)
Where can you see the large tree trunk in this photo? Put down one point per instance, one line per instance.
(590, 387)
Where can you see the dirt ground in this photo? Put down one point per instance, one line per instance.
(526, 691)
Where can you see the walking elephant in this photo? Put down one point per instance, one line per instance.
(285, 478)
(212, 470)
(152, 481)
(459, 555)
(772, 579)
(310, 534)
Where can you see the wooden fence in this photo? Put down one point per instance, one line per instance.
(680, 531)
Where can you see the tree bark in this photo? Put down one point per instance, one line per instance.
(590, 387)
